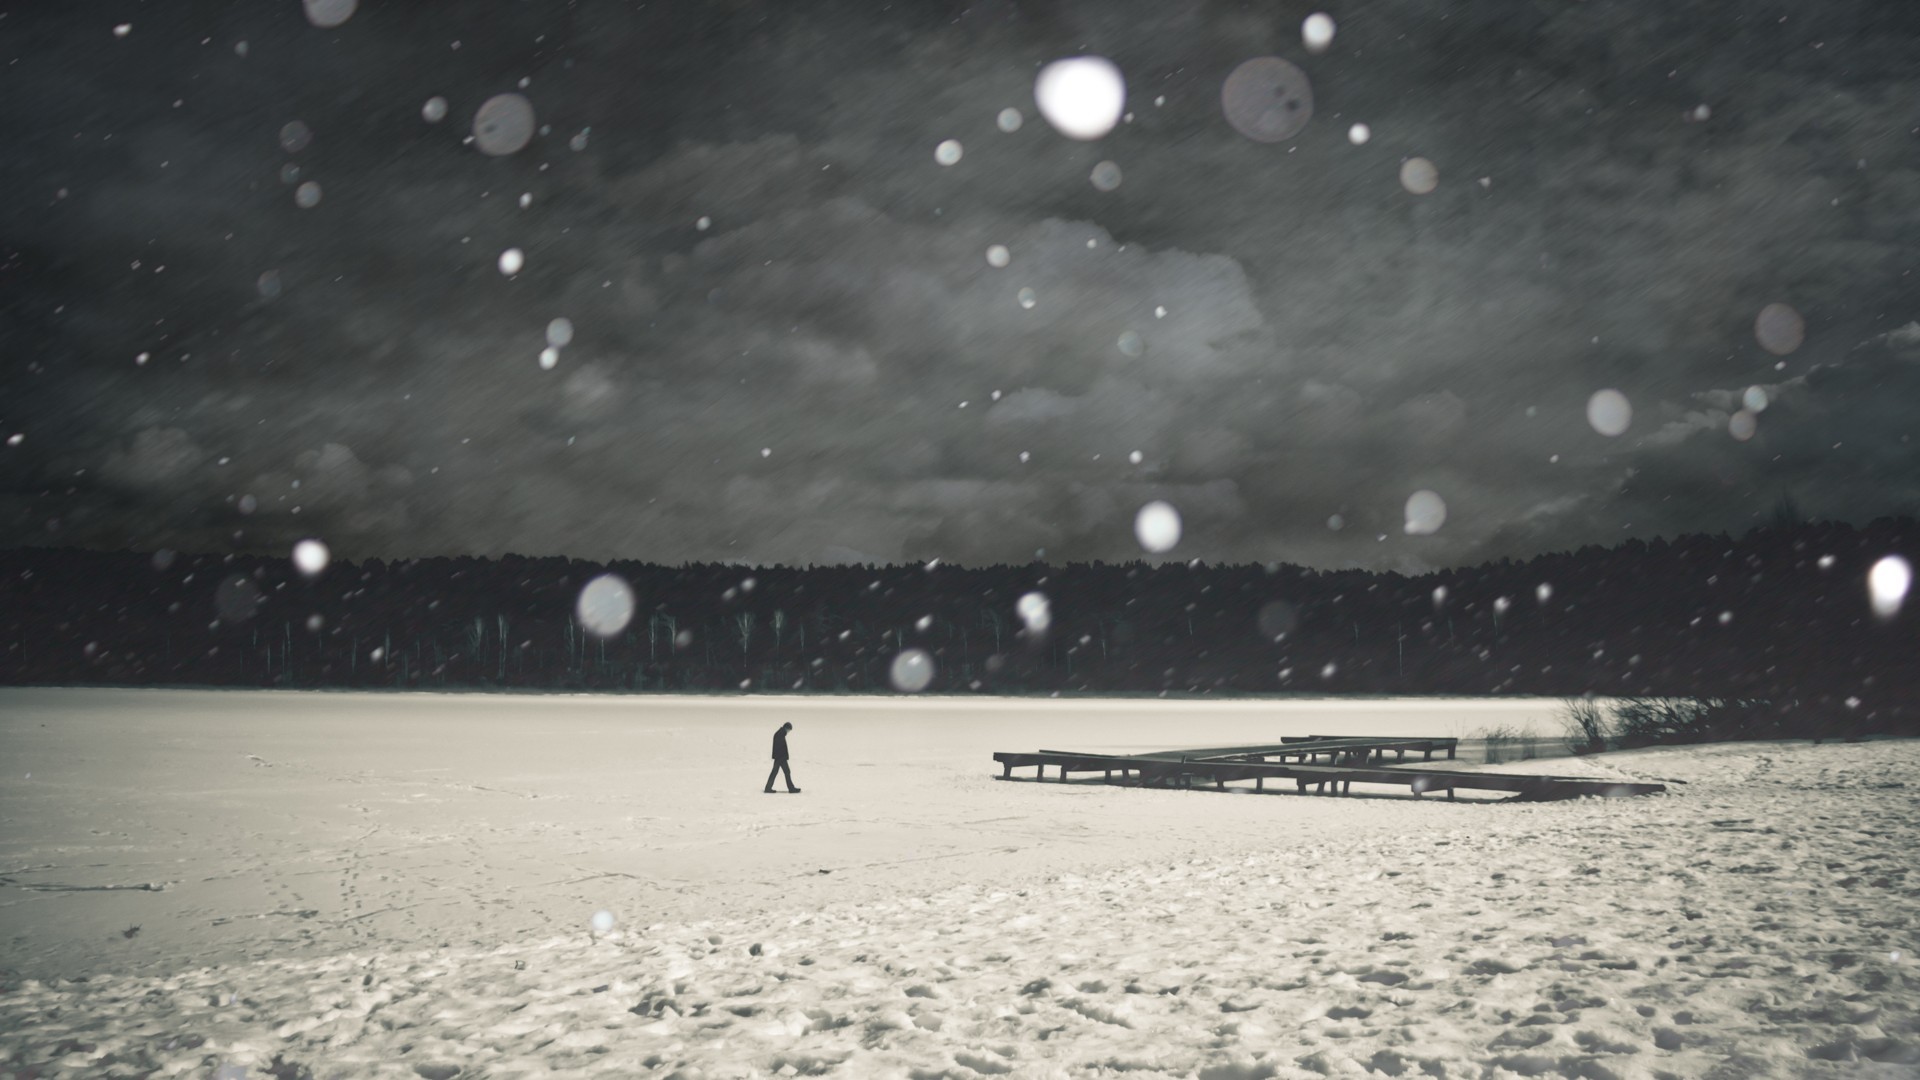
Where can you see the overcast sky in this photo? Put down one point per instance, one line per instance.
(831, 370)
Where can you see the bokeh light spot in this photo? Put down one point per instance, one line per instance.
(1082, 96)
(1887, 585)
(1277, 617)
(503, 125)
(1267, 99)
(1035, 611)
(236, 598)
(1426, 511)
(1779, 329)
(1609, 412)
(1157, 526)
(327, 14)
(1316, 32)
(1419, 176)
(1742, 425)
(311, 556)
(605, 606)
(911, 671)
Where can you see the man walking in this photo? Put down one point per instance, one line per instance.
(780, 760)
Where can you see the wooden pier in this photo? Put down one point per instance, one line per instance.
(1349, 761)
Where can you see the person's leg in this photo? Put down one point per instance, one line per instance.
(777, 766)
(789, 774)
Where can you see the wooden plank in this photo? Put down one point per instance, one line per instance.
(1368, 748)
(1296, 745)
(1161, 770)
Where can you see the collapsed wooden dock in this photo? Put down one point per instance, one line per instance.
(1349, 760)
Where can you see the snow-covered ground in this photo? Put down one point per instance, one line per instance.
(366, 886)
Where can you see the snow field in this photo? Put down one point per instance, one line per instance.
(1757, 922)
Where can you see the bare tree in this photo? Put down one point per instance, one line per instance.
(477, 641)
(668, 623)
(743, 629)
(990, 617)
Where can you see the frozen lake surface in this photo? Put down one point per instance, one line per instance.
(471, 816)
(369, 885)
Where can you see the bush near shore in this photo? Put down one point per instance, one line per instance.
(1628, 723)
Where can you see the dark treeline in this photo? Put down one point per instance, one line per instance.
(1780, 615)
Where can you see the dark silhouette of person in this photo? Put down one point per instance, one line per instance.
(780, 760)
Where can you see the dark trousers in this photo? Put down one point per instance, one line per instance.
(779, 767)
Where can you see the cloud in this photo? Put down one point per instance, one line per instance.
(158, 458)
(1903, 340)
(1281, 331)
